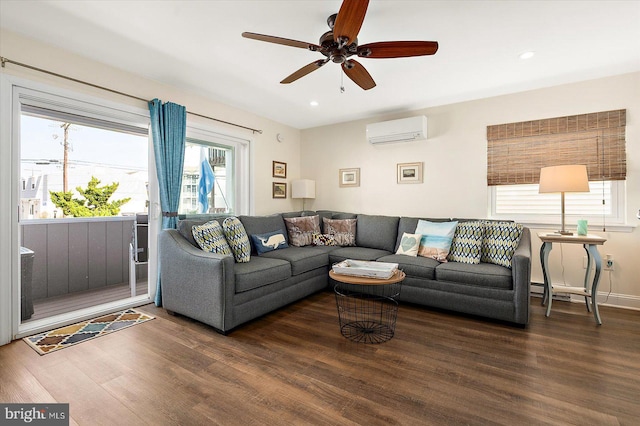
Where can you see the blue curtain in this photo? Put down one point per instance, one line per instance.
(168, 129)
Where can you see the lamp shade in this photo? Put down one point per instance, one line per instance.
(567, 178)
(303, 188)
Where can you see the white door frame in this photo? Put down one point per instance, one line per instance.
(10, 323)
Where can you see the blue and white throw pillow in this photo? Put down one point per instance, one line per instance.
(409, 244)
(466, 246)
(269, 241)
(210, 238)
(500, 241)
(237, 238)
(436, 238)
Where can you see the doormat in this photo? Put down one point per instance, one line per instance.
(60, 338)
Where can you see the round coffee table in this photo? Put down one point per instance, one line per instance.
(367, 308)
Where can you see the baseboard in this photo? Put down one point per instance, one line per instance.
(615, 300)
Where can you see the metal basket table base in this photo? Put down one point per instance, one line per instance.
(367, 313)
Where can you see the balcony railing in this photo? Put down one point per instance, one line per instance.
(78, 254)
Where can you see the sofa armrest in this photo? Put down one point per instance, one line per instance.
(521, 275)
(196, 283)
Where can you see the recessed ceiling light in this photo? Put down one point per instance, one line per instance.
(313, 103)
(527, 55)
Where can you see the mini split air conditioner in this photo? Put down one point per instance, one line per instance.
(403, 130)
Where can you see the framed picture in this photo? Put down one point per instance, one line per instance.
(349, 177)
(279, 190)
(409, 172)
(279, 169)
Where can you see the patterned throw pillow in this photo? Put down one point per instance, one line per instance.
(409, 244)
(436, 239)
(467, 243)
(210, 237)
(237, 239)
(343, 230)
(500, 241)
(324, 240)
(269, 242)
(301, 229)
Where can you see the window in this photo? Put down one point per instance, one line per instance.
(517, 151)
(215, 176)
(524, 203)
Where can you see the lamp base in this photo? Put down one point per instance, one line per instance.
(564, 232)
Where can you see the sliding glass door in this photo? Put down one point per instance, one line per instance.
(84, 187)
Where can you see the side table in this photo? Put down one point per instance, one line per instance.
(590, 243)
(367, 309)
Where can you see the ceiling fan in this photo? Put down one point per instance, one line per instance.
(341, 42)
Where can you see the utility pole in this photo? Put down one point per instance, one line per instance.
(65, 161)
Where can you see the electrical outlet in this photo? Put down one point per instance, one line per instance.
(609, 263)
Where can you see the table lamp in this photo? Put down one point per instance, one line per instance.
(303, 188)
(566, 178)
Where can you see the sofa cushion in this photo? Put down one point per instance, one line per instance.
(264, 224)
(259, 272)
(302, 259)
(466, 246)
(377, 232)
(357, 253)
(409, 244)
(500, 241)
(301, 229)
(343, 230)
(483, 274)
(237, 238)
(210, 238)
(436, 239)
(270, 241)
(420, 267)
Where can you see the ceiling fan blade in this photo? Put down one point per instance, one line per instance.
(280, 40)
(349, 21)
(304, 71)
(360, 76)
(397, 49)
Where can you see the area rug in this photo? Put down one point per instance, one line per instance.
(51, 341)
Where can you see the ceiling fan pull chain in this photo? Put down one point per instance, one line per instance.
(341, 80)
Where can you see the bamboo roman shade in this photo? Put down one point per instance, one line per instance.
(517, 151)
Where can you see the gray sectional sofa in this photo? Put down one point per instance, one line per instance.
(215, 290)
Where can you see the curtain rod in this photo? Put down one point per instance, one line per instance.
(7, 60)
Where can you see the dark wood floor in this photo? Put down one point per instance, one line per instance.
(294, 367)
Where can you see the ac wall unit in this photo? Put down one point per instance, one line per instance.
(402, 130)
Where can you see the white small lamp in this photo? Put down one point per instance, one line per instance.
(303, 188)
(567, 178)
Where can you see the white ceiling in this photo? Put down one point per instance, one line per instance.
(197, 46)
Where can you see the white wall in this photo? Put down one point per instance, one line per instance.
(454, 159)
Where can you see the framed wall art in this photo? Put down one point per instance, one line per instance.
(409, 172)
(279, 190)
(279, 169)
(349, 177)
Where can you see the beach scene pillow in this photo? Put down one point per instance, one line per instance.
(436, 238)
